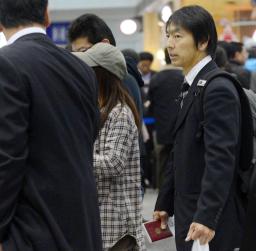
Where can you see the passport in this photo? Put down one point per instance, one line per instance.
(154, 232)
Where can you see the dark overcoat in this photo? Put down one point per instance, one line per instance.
(49, 117)
(201, 184)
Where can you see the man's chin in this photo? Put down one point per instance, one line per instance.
(176, 63)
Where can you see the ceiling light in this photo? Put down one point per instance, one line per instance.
(166, 13)
(128, 27)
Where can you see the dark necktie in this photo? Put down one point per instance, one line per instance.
(184, 92)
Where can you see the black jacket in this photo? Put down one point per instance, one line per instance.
(242, 74)
(164, 89)
(49, 118)
(201, 185)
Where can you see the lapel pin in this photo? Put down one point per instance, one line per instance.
(201, 82)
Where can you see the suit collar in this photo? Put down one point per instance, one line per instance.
(188, 101)
(24, 32)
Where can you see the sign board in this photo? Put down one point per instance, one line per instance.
(58, 32)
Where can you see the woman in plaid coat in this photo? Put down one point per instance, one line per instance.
(116, 153)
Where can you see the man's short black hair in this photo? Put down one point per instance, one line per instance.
(92, 27)
(146, 56)
(233, 48)
(14, 13)
(199, 22)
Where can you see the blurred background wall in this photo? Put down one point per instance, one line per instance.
(235, 20)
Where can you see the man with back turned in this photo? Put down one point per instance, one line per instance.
(48, 114)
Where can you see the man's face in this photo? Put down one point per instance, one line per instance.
(182, 48)
(81, 44)
(144, 66)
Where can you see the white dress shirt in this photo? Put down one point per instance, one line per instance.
(196, 69)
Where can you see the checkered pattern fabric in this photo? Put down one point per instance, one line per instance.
(117, 172)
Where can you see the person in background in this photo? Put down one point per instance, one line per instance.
(237, 56)
(116, 152)
(89, 29)
(49, 121)
(144, 65)
(164, 88)
(200, 188)
(132, 60)
(250, 65)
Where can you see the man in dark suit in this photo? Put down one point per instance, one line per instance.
(200, 189)
(48, 114)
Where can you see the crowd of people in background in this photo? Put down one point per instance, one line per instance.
(85, 130)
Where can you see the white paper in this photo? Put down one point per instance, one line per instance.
(197, 247)
(171, 225)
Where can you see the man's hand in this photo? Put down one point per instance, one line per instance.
(201, 232)
(1, 248)
(163, 216)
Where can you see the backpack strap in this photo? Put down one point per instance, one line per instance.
(246, 148)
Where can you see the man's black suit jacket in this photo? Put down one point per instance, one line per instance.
(48, 123)
(201, 182)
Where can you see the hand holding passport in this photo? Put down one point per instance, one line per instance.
(154, 232)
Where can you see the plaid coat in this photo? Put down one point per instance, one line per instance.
(117, 172)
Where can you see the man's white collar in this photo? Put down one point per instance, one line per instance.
(196, 69)
(24, 32)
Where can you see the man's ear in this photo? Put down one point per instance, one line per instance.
(47, 19)
(105, 40)
(202, 46)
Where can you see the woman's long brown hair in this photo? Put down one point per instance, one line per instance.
(112, 92)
